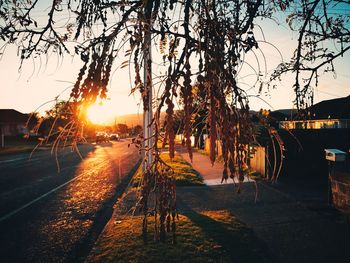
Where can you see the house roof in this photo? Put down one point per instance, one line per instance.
(335, 109)
(12, 116)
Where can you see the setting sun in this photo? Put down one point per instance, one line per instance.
(110, 109)
(99, 114)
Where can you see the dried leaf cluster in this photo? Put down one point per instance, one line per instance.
(203, 44)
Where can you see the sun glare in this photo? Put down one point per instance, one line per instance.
(108, 112)
(98, 114)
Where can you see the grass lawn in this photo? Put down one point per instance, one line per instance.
(17, 144)
(185, 175)
(20, 145)
(211, 236)
(13, 149)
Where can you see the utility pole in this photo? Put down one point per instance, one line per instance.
(147, 80)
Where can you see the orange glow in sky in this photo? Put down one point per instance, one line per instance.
(32, 87)
(100, 113)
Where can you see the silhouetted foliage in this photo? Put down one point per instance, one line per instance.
(202, 42)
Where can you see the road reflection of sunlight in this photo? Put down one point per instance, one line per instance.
(94, 186)
(75, 208)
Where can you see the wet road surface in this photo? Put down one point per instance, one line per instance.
(51, 216)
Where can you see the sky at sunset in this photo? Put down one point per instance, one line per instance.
(40, 81)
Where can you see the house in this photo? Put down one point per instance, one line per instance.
(12, 122)
(327, 114)
(316, 124)
(326, 125)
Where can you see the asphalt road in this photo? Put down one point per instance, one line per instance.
(51, 216)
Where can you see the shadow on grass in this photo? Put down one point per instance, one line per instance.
(84, 247)
(234, 238)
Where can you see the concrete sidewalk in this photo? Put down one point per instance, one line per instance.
(291, 217)
(211, 174)
(291, 231)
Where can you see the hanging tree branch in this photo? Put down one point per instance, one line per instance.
(203, 44)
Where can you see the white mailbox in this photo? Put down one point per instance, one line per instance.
(335, 155)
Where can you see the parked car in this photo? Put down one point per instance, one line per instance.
(114, 137)
(102, 137)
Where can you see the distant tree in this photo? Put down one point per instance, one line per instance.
(137, 130)
(122, 128)
(107, 128)
(57, 116)
(201, 124)
(179, 121)
(60, 125)
(33, 121)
